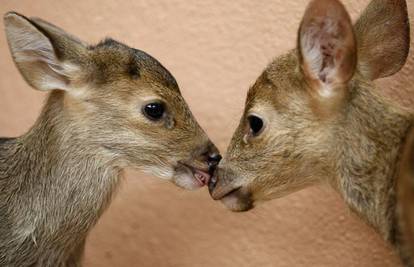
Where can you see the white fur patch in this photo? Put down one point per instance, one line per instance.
(159, 171)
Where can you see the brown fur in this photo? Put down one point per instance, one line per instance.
(58, 178)
(405, 191)
(323, 120)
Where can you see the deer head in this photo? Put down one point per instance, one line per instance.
(119, 101)
(298, 108)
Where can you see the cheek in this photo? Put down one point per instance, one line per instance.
(261, 184)
(170, 122)
(270, 187)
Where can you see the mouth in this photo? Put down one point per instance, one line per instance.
(201, 176)
(235, 199)
(220, 193)
(238, 200)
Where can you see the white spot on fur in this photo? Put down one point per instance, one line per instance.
(325, 91)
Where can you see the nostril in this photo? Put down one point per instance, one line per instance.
(213, 159)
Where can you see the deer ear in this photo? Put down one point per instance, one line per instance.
(327, 47)
(383, 35)
(45, 55)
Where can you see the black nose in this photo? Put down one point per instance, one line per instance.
(213, 160)
(212, 183)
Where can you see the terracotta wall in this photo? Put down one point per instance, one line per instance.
(215, 49)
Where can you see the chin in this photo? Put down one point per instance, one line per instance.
(186, 181)
(189, 177)
(238, 201)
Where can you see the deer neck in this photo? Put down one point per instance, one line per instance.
(369, 141)
(58, 178)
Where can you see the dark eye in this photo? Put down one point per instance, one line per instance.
(256, 124)
(154, 111)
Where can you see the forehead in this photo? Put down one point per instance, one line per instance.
(277, 83)
(116, 62)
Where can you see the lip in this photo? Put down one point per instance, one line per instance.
(220, 194)
(201, 176)
(238, 200)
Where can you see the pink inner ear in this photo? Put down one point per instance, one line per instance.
(322, 46)
(327, 43)
(330, 46)
(327, 47)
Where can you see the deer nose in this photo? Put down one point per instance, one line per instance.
(213, 160)
(212, 183)
(211, 156)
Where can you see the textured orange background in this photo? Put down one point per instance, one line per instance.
(215, 49)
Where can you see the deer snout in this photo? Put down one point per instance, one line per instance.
(222, 186)
(196, 170)
(204, 162)
(209, 155)
(212, 161)
(219, 185)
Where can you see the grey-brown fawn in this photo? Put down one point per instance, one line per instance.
(109, 107)
(313, 116)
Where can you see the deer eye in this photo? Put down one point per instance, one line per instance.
(255, 124)
(154, 111)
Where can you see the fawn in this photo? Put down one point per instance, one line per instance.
(110, 107)
(312, 116)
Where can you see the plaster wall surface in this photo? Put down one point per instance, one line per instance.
(215, 49)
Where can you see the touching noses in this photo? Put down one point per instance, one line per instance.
(213, 160)
(211, 156)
